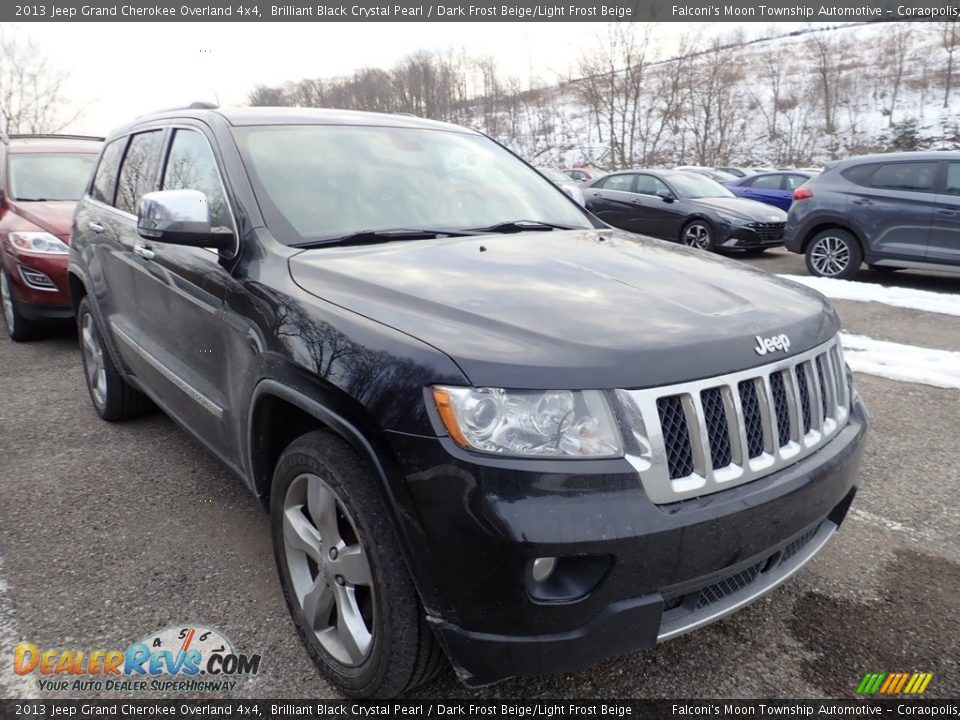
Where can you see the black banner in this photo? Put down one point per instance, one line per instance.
(480, 10)
(290, 709)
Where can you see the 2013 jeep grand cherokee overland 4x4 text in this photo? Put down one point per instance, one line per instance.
(487, 427)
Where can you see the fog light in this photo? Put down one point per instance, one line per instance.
(36, 279)
(543, 568)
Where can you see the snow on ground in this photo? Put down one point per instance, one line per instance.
(869, 292)
(907, 363)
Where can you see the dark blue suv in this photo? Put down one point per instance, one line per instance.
(897, 210)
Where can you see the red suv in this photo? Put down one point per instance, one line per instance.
(41, 179)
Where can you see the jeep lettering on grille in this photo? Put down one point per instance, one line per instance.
(773, 343)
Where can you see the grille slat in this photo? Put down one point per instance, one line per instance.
(803, 387)
(752, 418)
(718, 431)
(676, 436)
(782, 407)
(702, 436)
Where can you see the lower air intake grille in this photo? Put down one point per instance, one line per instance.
(720, 590)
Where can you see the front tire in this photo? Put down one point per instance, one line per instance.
(18, 327)
(834, 254)
(698, 234)
(344, 578)
(113, 398)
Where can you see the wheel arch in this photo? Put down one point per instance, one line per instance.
(306, 413)
(832, 225)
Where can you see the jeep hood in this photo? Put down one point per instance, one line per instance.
(574, 309)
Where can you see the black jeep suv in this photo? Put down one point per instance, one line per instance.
(487, 427)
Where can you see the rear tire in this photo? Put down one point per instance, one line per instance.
(834, 254)
(113, 398)
(361, 623)
(18, 327)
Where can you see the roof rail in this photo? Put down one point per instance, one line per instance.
(5, 139)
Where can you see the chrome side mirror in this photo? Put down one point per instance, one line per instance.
(180, 217)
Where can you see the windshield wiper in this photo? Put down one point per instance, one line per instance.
(364, 237)
(514, 226)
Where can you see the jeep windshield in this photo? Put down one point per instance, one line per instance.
(49, 176)
(324, 183)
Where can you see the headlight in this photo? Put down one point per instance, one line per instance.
(554, 423)
(42, 243)
(731, 220)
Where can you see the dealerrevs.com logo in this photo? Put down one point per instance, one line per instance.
(187, 658)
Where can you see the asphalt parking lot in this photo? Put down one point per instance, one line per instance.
(108, 532)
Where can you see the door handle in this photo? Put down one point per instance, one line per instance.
(96, 227)
(943, 211)
(863, 201)
(144, 251)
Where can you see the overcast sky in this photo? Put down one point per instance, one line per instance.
(120, 70)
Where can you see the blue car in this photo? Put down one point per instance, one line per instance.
(773, 188)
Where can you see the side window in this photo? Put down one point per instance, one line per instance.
(953, 178)
(139, 170)
(649, 185)
(905, 176)
(860, 174)
(105, 179)
(622, 183)
(792, 182)
(191, 165)
(766, 182)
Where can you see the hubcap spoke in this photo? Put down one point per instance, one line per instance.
(317, 603)
(323, 508)
(351, 629)
(299, 535)
(352, 564)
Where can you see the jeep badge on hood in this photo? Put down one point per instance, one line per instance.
(772, 344)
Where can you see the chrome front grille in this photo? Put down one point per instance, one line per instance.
(707, 435)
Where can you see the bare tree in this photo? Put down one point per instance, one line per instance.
(893, 57)
(950, 41)
(31, 88)
(611, 86)
(829, 53)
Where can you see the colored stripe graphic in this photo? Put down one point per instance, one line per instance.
(894, 683)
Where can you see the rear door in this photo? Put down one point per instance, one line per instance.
(944, 245)
(180, 300)
(612, 199)
(766, 189)
(107, 251)
(892, 206)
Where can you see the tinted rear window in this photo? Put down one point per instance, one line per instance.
(915, 176)
(139, 171)
(105, 181)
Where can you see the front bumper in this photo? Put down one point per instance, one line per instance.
(750, 238)
(482, 524)
(36, 301)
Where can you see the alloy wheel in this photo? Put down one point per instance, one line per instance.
(93, 360)
(830, 256)
(697, 235)
(329, 569)
(6, 299)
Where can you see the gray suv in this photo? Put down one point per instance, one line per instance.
(897, 210)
